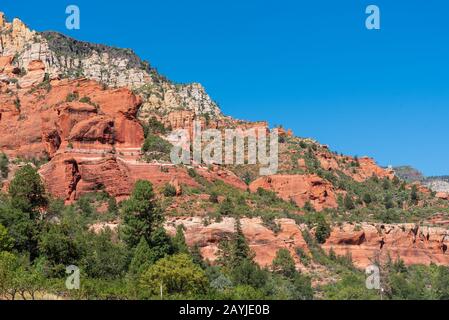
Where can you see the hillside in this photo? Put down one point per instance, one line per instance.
(93, 125)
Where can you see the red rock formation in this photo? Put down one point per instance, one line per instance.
(262, 241)
(369, 168)
(228, 177)
(442, 195)
(412, 244)
(300, 189)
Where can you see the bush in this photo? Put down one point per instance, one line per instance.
(155, 144)
(367, 198)
(169, 190)
(227, 207)
(74, 96)
(213, 197)
(154, 127)
(349, 203)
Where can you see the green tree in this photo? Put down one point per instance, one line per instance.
(386, 185)
(21, 226)
(61, 244)
(6, 242)
(105, 259)
(141, 215)
(179, 241)
(323, 229)
(142, 258)
(27, 190)
(4, 165)
(8, 266)
(414, 196)
(176, 275)
(240, 250)
(249, 273)
(388, 202)
(155, 144)
(284, 263)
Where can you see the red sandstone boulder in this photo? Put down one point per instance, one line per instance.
(300, 189)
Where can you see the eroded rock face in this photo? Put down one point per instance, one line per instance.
(300, 189)
(442, 195)
(64, 57)
(262, 241)
(367, 243)
(47, 123)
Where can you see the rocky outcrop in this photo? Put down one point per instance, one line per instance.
(262, 241)
(442, 195)
(300, 189)
(365, 243)
(14, 36)
(368, 243)
(68, 58)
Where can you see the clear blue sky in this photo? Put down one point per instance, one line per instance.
(309, 65)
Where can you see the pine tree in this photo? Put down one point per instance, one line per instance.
(141, 259)
(141, 215)
(179, 241)
(239, 247)
(284, 263)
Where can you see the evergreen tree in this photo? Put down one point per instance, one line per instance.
(27, 190)
(142, 257)
(284, 263)
(141, 215)
(323, 229)
(240, 250)
(4, 166)
(414, 196)
(179, 241)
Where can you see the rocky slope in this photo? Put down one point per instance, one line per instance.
(81, 109)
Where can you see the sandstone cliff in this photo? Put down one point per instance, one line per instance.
(68, 58)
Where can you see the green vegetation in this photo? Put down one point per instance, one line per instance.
(40, 237)
(4, 165)
(156, 148)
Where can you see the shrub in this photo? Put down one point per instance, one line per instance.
(349, 203)
(154, 127)
(156, 147)
(74, 96)
(213, 197)
(169, 190)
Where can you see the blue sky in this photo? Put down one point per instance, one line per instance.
(309, 65)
